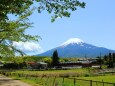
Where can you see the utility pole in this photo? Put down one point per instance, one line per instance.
(85, 56)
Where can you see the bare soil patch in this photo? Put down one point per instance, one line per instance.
(5, 81)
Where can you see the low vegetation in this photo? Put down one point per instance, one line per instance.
(66, 77)
(74, 77)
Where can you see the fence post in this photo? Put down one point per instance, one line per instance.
(74, 81)
(103, 82)
(90, 82)
(63, 81)
(96, 84)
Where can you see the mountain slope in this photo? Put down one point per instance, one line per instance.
(77, 48)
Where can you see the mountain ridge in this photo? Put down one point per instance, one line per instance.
(76, 47)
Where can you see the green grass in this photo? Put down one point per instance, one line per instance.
(106, 78)
(45, 81)
(47, 78)
(73, 72)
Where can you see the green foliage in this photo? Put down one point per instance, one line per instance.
(58, 8)
(69, 59)
(14, 30)
(110, 61)
(113, 55)
(106, 59)
(21, 59)
(33, 58)
(99, 61)
(47, 60)
(16, 7)
(21, 62)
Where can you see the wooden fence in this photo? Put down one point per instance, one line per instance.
(91, 82)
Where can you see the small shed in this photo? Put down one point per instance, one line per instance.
(42, 65)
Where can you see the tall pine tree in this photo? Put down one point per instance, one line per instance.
(55, 58)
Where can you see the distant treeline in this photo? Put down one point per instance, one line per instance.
(21, 62)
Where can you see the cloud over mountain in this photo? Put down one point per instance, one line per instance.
(28, 47)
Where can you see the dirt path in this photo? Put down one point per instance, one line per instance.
(5, 81)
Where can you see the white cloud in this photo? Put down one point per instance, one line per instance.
(29, 48)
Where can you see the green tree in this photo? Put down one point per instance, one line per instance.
(48, 60)
(110, 61)
(99, 61)
(55, 58)
(11, 31)
(58, 8)
(14, 30)
(113, 57)
(106, 59)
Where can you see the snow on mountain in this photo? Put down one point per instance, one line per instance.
(76, 47)
(73, 41)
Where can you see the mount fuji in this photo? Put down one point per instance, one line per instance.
(76, 47)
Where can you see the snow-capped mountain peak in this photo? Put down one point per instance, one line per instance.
(75, 47)
(73, 41)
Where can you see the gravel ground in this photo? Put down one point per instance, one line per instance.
(5, 81)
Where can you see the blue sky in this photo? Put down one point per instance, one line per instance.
(95, 24)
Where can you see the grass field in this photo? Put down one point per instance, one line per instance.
(49, 81)
(55, 77)
(70, 73)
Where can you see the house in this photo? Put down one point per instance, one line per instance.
(80, 64)
(32, 65)
(37, 65)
